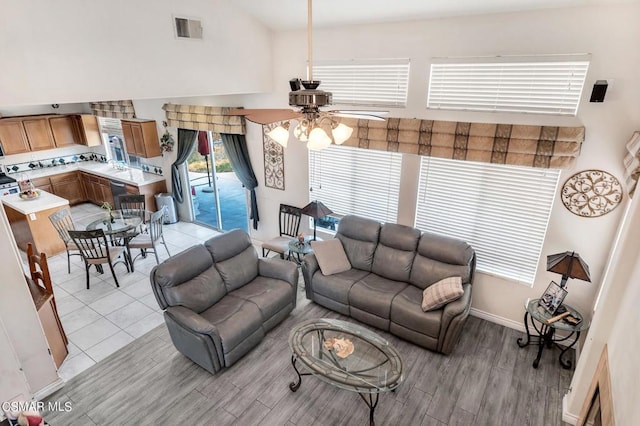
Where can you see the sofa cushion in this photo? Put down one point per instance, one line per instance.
(235, 258)
(439, 294)
(440, 257)
(406, 311)
(359, 237)
(196, 287)
(337, 286)
(235, 319)
(331, 256)
(395, 251)
(270, 295)
(373, 294)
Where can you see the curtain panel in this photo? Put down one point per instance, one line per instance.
(114, 109)
(519, 145)
(200, 117)
(186, 144)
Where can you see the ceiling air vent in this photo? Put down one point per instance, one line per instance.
(188, 28)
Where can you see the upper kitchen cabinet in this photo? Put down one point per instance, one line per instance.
(88, 130)
(65, 130)
(38, 133)
(141, 138)
(13, 137)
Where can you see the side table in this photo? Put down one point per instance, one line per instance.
(298, 250)
(538, 317)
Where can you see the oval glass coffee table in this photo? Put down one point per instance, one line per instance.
(347, 356)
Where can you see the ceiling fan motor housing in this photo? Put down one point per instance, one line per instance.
(310, 98)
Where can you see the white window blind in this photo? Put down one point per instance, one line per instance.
(368, 83)
(528, 87)
(502, 211)
(111, 126)
(356, 181)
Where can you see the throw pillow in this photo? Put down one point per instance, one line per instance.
(439, 294)
(331, 256)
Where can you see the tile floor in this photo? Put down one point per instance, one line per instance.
(103, 319)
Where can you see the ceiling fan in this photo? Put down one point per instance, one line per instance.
(318, 128)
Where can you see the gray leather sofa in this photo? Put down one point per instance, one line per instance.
(220, 299)
(391, 265)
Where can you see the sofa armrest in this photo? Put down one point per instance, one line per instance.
(309, 267)
(195, 337)
(279, 269)
(453, 318)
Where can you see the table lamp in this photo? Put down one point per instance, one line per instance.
(570, 265)
(316, 210)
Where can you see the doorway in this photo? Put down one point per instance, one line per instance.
(219, 199)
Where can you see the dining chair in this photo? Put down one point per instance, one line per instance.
(62, 221)
(289, 225)
(134, 205)
(148, 241)
(96, 251)
(39, 270)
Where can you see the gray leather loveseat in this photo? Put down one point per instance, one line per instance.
(391, 265)
(220, 299)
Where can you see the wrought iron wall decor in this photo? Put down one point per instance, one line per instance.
(273, 159)
(591, 193)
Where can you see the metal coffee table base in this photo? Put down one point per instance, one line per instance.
(371, 399)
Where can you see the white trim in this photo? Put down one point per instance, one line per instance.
(49, 389)
(496, 319)
(568, 417)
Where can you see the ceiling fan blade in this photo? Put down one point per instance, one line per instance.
(354, 111)
(346, 114)
(266, 116)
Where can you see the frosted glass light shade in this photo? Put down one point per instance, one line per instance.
(341, 133)
(280, 135)
(318, 140)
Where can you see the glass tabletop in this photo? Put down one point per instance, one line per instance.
(296, 246)
(116, 224)
(347, 355)
(542, 315)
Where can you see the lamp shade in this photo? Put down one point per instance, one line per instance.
(316, 210)
(569, 264)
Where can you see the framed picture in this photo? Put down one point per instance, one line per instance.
(552, 297)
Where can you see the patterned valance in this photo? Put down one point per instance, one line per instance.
(632, 163)
(533, 146)
(114, 109)
(200, 117)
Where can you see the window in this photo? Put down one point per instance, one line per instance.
(502, 211)
(370, 83)
(112, 139)
(527, 87)
(356, 181)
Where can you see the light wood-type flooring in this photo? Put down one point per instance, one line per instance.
(488, 380)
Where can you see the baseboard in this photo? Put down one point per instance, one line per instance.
(509, 323)
(48, 390)
(567, 416)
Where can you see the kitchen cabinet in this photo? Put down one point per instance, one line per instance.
(141, 138)
(13, 137)
(43, 183)
(64, 130)
(38, 133)
(69, 186)
(88, 130)
(97, 189)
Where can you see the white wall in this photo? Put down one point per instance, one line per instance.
(605, 32)
(79, 51)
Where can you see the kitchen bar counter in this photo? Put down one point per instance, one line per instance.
(131, 176)
(29, 220)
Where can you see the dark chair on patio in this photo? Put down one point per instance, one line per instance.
(289, 227)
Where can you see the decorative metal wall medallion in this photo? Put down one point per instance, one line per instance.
(591, 193)
(273, 159)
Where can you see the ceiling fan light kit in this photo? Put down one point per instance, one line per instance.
(318, 129)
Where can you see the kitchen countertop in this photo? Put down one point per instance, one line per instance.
(131, 176)
(45, 201)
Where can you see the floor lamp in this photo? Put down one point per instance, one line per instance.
(316, 210)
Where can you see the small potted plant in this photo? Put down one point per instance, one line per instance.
(105, 205)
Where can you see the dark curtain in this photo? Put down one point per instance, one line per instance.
(186, 144)
(236, 148)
